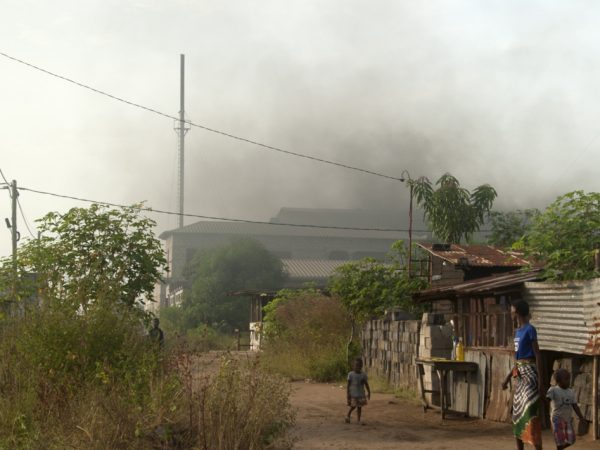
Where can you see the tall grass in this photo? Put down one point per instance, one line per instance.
(95, 381)
(240, 407)
(305, 337)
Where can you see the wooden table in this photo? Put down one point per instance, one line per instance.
(442, 367)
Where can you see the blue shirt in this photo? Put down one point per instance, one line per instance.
(524, 339)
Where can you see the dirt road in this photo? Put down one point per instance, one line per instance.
(393, 423)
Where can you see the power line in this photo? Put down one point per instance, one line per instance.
(227, 219)
(5, 181)
(203, 127)
(25, 219)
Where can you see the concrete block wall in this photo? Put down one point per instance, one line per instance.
(390, 349)
(435, 342)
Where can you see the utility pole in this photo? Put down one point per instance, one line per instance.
(13, 224)
(405, 177)
(410, 225)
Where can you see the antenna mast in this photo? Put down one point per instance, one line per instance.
(181, 128)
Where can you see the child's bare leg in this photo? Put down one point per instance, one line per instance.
(352, 408)
(358, 412)
(520, 445)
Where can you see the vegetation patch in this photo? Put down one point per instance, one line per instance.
(305, 336)
(79, 370)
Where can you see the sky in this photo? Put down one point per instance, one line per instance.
(500, 92)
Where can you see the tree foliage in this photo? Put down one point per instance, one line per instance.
(243, 264)
(89, 254)
(565, 236)
(452, 211)
(369, 287)
(509, 227)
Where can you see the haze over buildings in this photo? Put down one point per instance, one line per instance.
(493, 92)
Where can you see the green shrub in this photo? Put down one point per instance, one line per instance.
(328, 367)
(95, 381)
(306, 336)
(58, 362)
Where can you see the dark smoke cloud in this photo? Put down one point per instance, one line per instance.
(495, 92)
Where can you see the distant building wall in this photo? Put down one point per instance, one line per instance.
(182, 247)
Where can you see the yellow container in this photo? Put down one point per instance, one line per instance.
(460, 351)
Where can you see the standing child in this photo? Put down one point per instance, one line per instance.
(357, 383)
(563, 403)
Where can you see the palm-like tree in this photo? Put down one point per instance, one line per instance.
(452, 211)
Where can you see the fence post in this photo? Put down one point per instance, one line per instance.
(237, 338)
(595, 397)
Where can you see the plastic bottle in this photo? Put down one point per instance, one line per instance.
(454, 344)
(460, 350)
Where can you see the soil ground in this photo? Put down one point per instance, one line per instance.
(394, 423)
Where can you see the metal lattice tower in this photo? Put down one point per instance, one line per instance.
(181, 127)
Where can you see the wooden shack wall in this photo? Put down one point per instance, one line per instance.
(390, 349)
(478, 386)
(444, 273)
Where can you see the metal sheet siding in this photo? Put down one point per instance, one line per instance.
(566, 315)
(311, 268)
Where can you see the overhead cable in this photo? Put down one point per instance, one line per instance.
(25, 219)
(226, 219)
(5, 181)
(203, 127)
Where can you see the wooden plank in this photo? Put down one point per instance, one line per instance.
(595, 369)
(499, 407)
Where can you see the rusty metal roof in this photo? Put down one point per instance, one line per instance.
(478, 286)
(476, 255)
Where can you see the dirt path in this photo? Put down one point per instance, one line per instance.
(393, 423)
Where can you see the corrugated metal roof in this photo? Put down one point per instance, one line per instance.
(566, 315)
(478, 286)
(311, 269)
(300, 272)
(263, 229)
(477, 255)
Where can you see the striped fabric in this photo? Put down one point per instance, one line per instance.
(526, 404)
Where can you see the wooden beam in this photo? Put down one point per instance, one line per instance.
(595, 397)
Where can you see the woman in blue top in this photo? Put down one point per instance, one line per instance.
(526, 376)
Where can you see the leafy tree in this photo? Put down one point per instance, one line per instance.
(564, 237)
(369, 287)
(243, 264)
(452, 211)
(509, 227)
(91, 271)
(90, 254)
